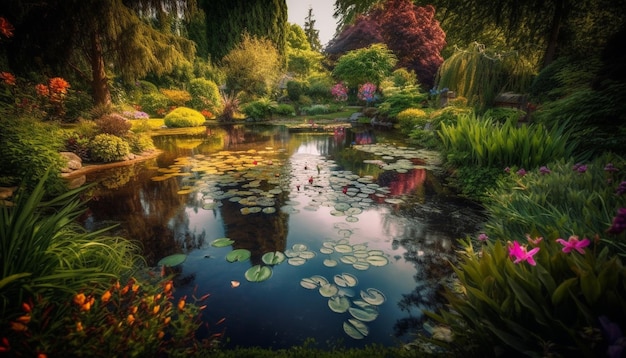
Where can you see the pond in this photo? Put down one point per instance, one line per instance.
(339, 235)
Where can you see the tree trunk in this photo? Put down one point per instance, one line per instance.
(553, 38)
(99, 81)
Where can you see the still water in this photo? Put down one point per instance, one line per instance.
(363, 225)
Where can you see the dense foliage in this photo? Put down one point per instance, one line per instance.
(184, 117)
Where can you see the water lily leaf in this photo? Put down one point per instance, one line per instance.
(376, 253)
(330, 263)
(328, 290)
(339, 304)
(273, 258)
(296, 261)
(269, 210)
(361, 266)
(222, 242)
(172, 260)
(366, 314)
(352, 331)
(343, 248)
(377, 260)
(238, 255)
(299, 247)
(352, 219)
(309, 283)
(345, 280)
(360, 326)
(307, 254)
(326, 250)
(258, 273)
(348, 259)
(373, 296)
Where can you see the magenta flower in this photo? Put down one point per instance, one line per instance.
(521, 172)
(610, 168)
(619, 222)
(483, 237)
(544, 170)
(535, 241)
(519, 254)
(507, 170)
(573, 244)
(621, 188)
(579, 167)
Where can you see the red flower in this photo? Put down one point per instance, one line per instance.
(42, 90)
(7, 77)
(58, 85)
(6, 28)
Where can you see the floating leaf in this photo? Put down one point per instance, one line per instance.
(269, 210)
(309, 283)
(172, 260)
(377, 260)
(346, 280)
(296, 261)
(343, 249)
(360, 326)
(326, 250)
(273, 258)
(299, 247)
(307, 254)
(321, 280)
(366, 314)
(350, 260)
(373, 296)
(361, 266)
(238, 255)
(339, 304)
(352, 331)
(330, 263)
(328, 290)
(222, 242)
(258, 273)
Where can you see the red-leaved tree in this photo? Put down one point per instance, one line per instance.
(363, 33)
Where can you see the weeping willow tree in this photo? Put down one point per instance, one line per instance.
(479, 74)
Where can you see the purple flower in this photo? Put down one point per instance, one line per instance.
(619, 222)
(579, 167)
(573, 244)
(507, 170)
(613, 335)
(483, 237)
(544, 170)
(610, 168)
(521, 172)
(519, 254)
(621, 188)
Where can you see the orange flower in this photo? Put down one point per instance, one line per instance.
(42, 355)
(181, 304)
(18, 326)
(130, 319)
(7, 77)
(79, 327)
(157, 297)
(58, 85)
(27, 307)
(156, 309)
(6, 28)
(135, 288)
(124, 290)
(24, 319)
(160, 334)
(106, 296)
(42, 90)
(167, 320)
(168, 287)
(79, 299)
(133, 309)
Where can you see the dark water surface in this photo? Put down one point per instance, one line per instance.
(353, 187)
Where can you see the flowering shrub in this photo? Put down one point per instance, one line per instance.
(367, 92)
(135, 115)
(339, 92)
(135, 319)
(52, 97)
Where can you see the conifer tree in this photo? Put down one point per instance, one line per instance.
(312, 34)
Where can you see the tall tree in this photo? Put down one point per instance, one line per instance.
(364, 32)
(302, 61)
(96, 39)
(228, 20)
(312, 34)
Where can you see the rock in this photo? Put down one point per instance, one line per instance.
(73, 162)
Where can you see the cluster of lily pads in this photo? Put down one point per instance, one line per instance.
(339, 293)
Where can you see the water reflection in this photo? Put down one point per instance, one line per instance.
(321, 188)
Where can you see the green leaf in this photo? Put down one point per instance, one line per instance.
(258, 273)
(172, 260)
(222, 242)
(273, 258)
(238, 255)
(559, 293)
(590, 287)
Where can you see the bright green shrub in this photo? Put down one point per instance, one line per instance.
(176, 98)
(154, 103)
(473, 140)
(184, 117)
(108, 148)
(205, 94)
(411, 118)
(319, 88)
(285, 110)
(139, 142)
(503, 114)
(396, 100)
(29, 148)
(259, 109)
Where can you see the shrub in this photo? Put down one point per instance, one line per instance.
(204, 95)
(315, 109)
(139, 142)
(29, 148)
(284, 109)
(295, 89)
(176, 98)
(396, 100)
(230, 107)
(154, 103)
(78, 144)
(319, 88)
(411, 118)
(184, 117)
(259, 109)
(108, 148)
(503, 114)
(113, 124)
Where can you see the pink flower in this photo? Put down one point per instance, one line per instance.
(534, 241)
(573, 244)
(483, 237)
(519, 254)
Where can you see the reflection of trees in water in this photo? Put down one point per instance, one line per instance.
(403, 183)
(428, 231)
(143, 209)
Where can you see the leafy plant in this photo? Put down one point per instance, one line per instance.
(177, 98)
(139, 142)
(108, 148)
(230, 107)
(154, 103)
(184, 117)
(205, 94)
(396, 100)
(411, 118)
(262, 108)
(113, 124)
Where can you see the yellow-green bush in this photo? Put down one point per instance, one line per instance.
(176, 97)
(410, 118)
(184, 117)
(108, 148)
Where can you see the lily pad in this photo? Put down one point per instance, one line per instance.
(360, 326)
(377, 260)
(330, 263)
(373, 296)
(273, 258)
(296, 261)
(307, 254)
(366, 314)
(328, 290)
(172, 260)
(346, 280)
(238, 255)
(309, 283)
(352, 331)
(258, 273)
(339, 304)
(343, 248)
(222, 242)
(361, 266)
